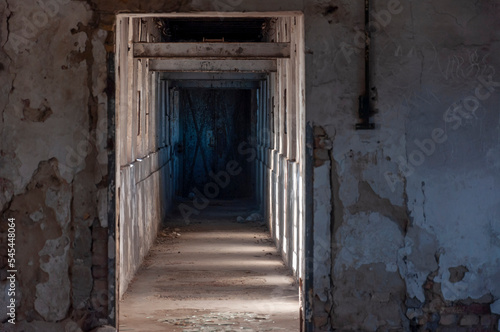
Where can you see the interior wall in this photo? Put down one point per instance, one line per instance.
(280, 143)
(142, 151)
(54, 164)
(413, 203)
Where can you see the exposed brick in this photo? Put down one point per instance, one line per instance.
(100, 285)
(100, 248)
(478, 309)
(104, 329)
(487, 298)
(99, 272)
(453, 329)
(469, 320)
(448, 319)
(99, 233)
(413, 313)
(100, 260)
(319, 131)
(436, 287)
(453, 310)
(423, 320)
(320, 320)
(413, 303)
(487, 320)
(473, 309)
(435, 304)
(428, 284)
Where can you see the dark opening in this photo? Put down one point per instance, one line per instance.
(213, 123)
(200, 29)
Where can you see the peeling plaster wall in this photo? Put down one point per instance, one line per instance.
(454, 186)
(415, 235)
(404, 218)
(53, 170)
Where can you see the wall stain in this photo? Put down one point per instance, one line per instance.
(40, 114)
(369, 202)
(33, 232)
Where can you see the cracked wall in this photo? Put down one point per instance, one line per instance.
(417, 198)
(413, 205)
(53, 172)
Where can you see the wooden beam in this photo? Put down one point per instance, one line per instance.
(212, 50)
(218, 14)
(212, 76)
(216, 84)
(235, 66)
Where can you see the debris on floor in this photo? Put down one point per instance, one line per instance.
(255, 217)
(252, 217)
(168, 233)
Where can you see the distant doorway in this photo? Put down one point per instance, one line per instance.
(213, 122)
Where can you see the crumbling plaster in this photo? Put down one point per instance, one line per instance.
(444, 213)
(37, 82)
(54, 159)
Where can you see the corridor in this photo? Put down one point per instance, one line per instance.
(213, 274)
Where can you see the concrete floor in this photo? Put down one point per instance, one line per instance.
(212, 274)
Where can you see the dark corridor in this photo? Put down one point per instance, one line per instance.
(213, 122)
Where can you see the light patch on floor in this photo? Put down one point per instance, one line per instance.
(212, 275)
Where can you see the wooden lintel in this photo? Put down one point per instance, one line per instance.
(191, 65)
(212, 50)
(212, 76)
(215, 84)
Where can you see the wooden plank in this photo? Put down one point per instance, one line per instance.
(216, 14)
(216, 84)
(212, 50)
(212, 76)
(236, 66)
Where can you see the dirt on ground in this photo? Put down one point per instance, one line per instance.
(213, 274)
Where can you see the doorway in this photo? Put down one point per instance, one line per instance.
(168, 145)
(213, 122)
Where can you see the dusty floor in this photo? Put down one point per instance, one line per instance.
(213, 274)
